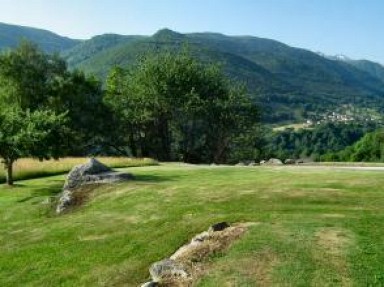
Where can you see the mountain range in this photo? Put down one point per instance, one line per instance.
(290, 83)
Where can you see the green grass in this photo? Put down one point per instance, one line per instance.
(314, 227)
(28, 168)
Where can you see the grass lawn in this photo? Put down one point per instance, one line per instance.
(313, 227)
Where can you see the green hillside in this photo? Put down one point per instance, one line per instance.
(11, 35)
(290, 84)
(91, 48)
(288, 81)
(370, 67)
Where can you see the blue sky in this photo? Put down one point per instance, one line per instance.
(350, 27)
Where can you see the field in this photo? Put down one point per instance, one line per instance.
(312, 226)
(30, 168)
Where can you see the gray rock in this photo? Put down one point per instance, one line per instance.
(188, 248)
(93, 172)
(168, 269)
(263, 162)
(274, 161)
(85, 173)
(289, 161)
(201, 237)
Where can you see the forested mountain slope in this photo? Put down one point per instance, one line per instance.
(11, 35)
(291, 84)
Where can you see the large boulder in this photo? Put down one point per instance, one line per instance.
(92, 172)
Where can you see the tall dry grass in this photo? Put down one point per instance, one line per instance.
(27, 168)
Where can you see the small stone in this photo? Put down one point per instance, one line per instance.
(201, 237)
(168, 269)
(150, 284)
(219, 226)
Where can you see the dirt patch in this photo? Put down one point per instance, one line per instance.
(332, 246)
(93, 237)
(125, 218)
(333, 215)
(333, 241)
(260, 267)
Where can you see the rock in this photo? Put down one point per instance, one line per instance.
(65, 201)
(299, 161)
(289, 161)
(241, 164)
(263, 162)
(183, 266)
(219, 226)
(201, 237)
(150, 284)
(84, 173)
(190, 247)
(274, 161)
(93, 172)
(168, 269)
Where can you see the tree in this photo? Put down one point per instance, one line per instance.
(32, 74)
(33, 80)
(29, 134)
(173, 107)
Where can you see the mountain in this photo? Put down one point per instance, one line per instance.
(290, 83)
(372, 68)
(91, 48)
(11, 35)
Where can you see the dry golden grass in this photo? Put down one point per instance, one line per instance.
(27, 168)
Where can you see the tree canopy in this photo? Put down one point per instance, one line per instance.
(37, 134)
(173, 107)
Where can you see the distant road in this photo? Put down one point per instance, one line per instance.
(362, 168)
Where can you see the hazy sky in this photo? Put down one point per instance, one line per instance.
(350, 27)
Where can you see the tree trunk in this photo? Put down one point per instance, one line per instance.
(9, 171)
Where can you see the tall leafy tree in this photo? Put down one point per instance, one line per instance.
(33, 80)
(29, 134)
(173, 107)
(31, 73)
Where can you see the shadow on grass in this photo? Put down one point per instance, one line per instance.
(154, 178)
(34, 175)
(50, 190)
(54, 186)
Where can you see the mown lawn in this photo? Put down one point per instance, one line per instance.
(313, 227)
